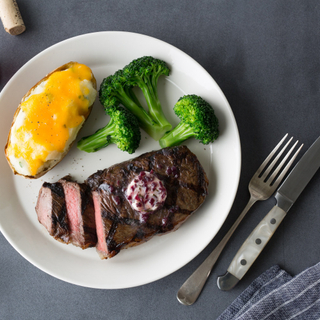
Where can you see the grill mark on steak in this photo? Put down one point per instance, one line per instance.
(59, 209)
(187, 188)
(55, 188)
(111, 244)
(85, 197)
(52, 212)
(88, 217)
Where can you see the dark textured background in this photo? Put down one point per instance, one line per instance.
(265, 57)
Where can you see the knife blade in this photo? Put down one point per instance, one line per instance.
(286, 196)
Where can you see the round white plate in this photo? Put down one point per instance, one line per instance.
(104, 53)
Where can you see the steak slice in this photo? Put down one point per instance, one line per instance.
(118, 225)
(80, 212)
(52, 211)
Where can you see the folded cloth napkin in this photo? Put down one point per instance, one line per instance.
(276, 295)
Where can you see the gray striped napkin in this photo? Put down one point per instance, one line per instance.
(276, 295)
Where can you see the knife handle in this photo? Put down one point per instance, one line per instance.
(255, 243)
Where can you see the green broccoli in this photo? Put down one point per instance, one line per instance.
(144, 73)
(122, 130)
(197, 120)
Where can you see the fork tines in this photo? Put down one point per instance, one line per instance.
(266, 168)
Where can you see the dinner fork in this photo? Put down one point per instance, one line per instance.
(261, 186)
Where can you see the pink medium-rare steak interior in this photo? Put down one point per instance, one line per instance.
(44, 208)
(100, 227)
(80, 212)
(73, 204)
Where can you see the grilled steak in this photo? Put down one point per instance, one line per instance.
(52, 211)
(80, 212)
(66, 210)
(118, 224)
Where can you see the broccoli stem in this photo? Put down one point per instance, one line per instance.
(177, 135)
(154, 105)
(154, 130)
(100, 139)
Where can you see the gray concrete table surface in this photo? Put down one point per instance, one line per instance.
(265, 57)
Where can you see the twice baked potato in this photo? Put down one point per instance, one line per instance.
(48, 119)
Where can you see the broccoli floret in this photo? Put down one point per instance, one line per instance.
(122, 130)
(144, 73)
(197, 120)
(115, 90)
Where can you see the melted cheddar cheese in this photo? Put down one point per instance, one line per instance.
(50, 118)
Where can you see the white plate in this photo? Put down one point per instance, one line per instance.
(104, 53)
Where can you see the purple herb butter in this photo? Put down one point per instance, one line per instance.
(146, 193)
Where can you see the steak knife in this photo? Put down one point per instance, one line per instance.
(286, 195)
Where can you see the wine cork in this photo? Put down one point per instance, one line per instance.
(11, 17)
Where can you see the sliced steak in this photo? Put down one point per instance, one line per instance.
(80, 212)
(119, 225)
(52, 211)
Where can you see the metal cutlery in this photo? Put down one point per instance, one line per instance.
(261, 187)
(286, 195)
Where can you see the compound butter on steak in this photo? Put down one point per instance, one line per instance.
(152, 194)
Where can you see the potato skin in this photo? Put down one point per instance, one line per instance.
(51, 163)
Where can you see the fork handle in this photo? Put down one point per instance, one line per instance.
(192, 287)
(251, 248)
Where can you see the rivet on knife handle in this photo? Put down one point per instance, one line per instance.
(251, 248)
